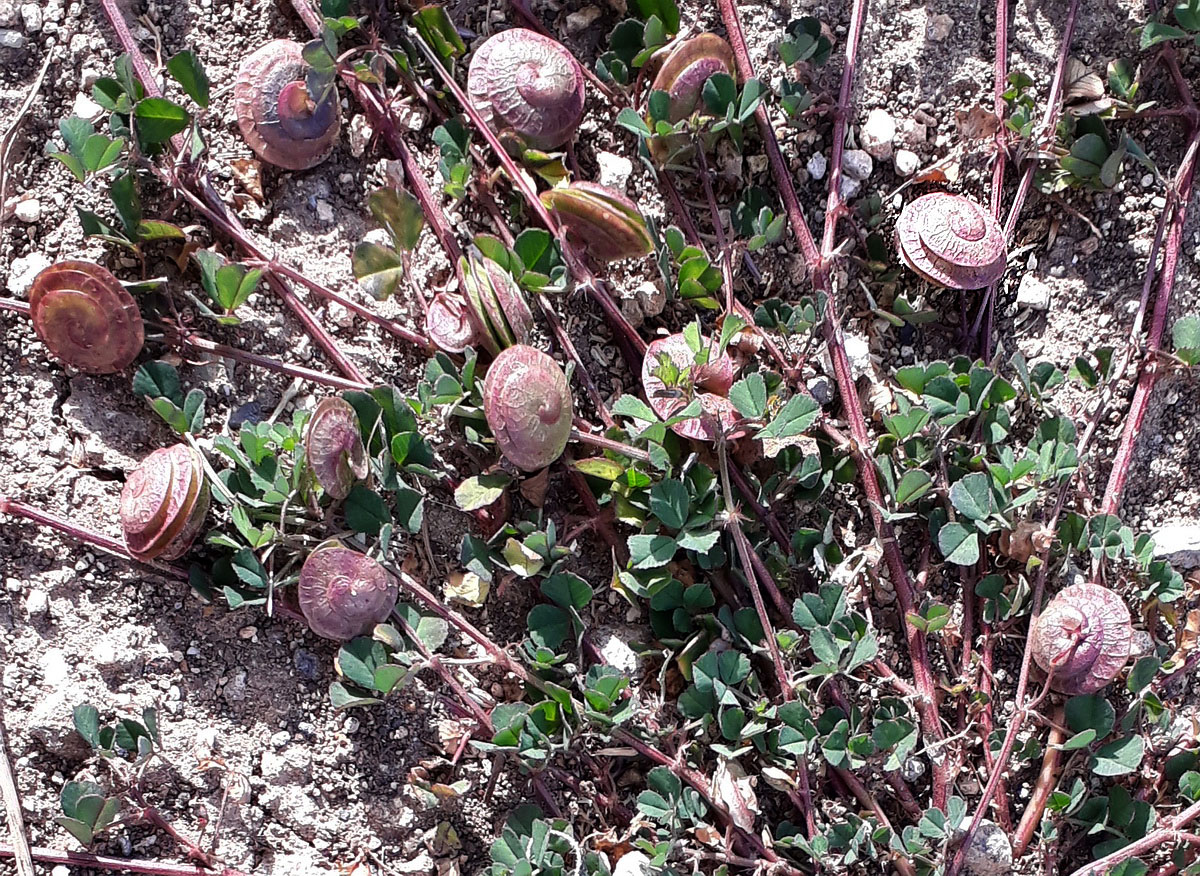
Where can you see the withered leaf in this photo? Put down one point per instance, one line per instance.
(977, 123)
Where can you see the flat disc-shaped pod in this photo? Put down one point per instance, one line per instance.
(451, 323)
(604, 221)
(85, 317)
(667, 402)
(278, 118)
(343, 593)
(951, 241)
(333, 447)
(527, 84)
(1083, 635)
(688, 67)
(528, 406)
(163, 504)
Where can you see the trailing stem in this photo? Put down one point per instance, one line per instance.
(1049, 120)
(1151, 365)
(819, 265)
(1168, 832)
(124, 865)
(311, 324)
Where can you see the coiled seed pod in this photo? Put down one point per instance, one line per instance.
(85, 317)
(527, 85)
(708, 382)
(333, 447)
(451, 324)
(278, 118)
(605, 222)
(163, 504)
(528, 406)
(688, 67)
(951, 241)
(1083, 635)
(343, 593)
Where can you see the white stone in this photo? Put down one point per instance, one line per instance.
(31, 17)
(1178, 544)
(86, 108)
(817, 165)
(37, 602)
(615, 170)
(1033, 293)
(578, 22)
(8, 13)
(29, 210)
(906, 162)
(55, 669)
(23, 270)
(11, 39)
(61, 870)
(616, 651)
(633, 864)
(857, 164)
(858, 351)
(877, 133)
(325, 212)
(849, 188)
(910, 133)
(939, 26)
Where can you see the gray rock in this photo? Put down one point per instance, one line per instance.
(821, 389)
(29, 210)
(578, 22)
(990, 852)
(857, 164)
(939, 26)
(8, 13)
(817, 165)
(1033, 293)
(12, 39)
(1178, 544)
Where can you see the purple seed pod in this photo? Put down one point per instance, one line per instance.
(710, 381)
(688, 67)
(529, 85)
(528, 406)
(497, 303)
(85, 317)
(1083, 635)
(451, 324)
(343, 593)
(278, 118)
(163, 504)
(333, 447)
(604, 221)
(951, 241)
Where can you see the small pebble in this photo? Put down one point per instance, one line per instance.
(817, 165)
(1033, 293)
(86, 108)
(906, 162)
(29, 210)
(939, 26)
(877, 133)
(31, 16)
(857, 164)
(578, 22)
(615, 170)
(12, 39)
(280, 739)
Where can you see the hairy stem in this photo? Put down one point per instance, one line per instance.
(1047, 777)
(124, 865)
(1151, 841)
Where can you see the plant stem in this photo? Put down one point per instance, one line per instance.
(1049, 120)
(259, 361)
(1167, 833)
(819, 268)
(216, 205)
(87, 536)
(104, 862)
(584, 437)
(1047, 776)
(1182, 192)
(859, 790)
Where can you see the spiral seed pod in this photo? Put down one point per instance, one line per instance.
(605, 222)
(1083, 635)
(333, 447)
(951, 241)
(452, 324)
(528, 406)
(85, 317)
(343, 593)
(163, 504)
(688, 67)
(528, 85)
(279, 119)
(708, 382)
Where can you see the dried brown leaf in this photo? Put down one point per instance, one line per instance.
(534, 488)
(977, 123)
(1080, 83)
(1185, 640)
(247, 172)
